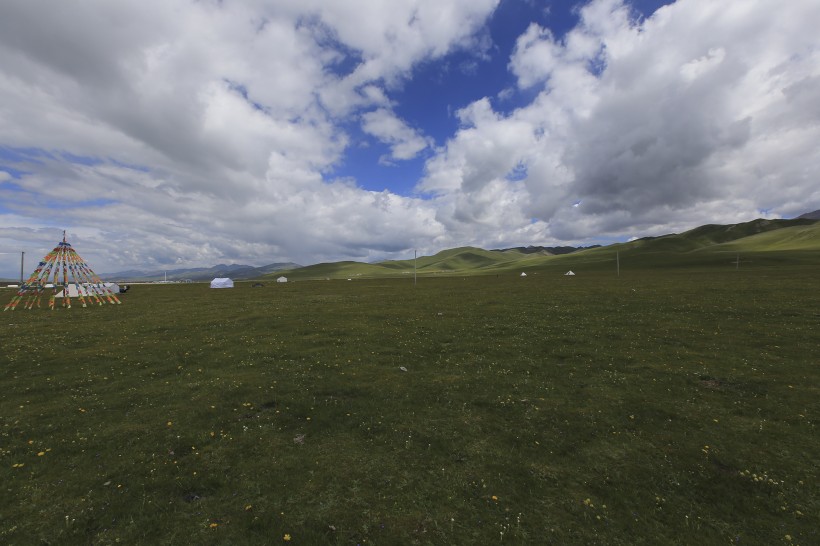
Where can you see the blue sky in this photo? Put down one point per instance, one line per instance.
(175, 133)
(436, 89)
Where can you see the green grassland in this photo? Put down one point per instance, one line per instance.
(667, 405)
(772, 242)
(455, 261)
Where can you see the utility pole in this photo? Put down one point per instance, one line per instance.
(22, 261)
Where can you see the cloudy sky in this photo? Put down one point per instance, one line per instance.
(175, 133)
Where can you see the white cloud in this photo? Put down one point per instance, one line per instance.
(210, 128)
(696, 68)
(705, 112)
(405, 142)
(536, 56)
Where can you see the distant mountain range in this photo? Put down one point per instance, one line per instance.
(811, 215)
(234, 271)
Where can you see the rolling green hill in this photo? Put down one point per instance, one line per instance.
(712, 234)
(455, 261)
(760, 242)
(797, 237)
(335, 270)
(469, 258)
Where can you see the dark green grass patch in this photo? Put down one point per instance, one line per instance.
(654, 408)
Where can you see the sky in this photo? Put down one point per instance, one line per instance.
(162, 134)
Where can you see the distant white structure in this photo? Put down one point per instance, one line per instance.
(87, 289)
(523, 274)
(114, 287)
(569, 272)
(74, 291)
(282, 279)
(222, 282)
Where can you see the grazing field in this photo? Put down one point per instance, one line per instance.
(657, 407)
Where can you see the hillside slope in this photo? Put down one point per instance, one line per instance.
(773, 241)
(463, 260)
(713, 234)
(797, 237)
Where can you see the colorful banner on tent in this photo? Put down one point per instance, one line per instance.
(70, 278)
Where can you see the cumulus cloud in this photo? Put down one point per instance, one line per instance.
(404, 141)
(704, 112)
(207, 131)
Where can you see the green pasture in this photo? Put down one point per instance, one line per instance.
(658, 407)
(755, 244)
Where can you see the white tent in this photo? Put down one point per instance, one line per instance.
(569, 273)
(282, 279)
(114, 287)
(221, 282)
(75, 290)
(523, 274)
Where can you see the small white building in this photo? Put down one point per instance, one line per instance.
(282, 279)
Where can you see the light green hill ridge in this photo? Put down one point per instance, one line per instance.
(773, 241)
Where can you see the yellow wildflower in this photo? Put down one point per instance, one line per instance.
(286, 538)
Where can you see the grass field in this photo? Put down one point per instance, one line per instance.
(657, 407)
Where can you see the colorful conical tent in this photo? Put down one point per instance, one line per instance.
(71, 277)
